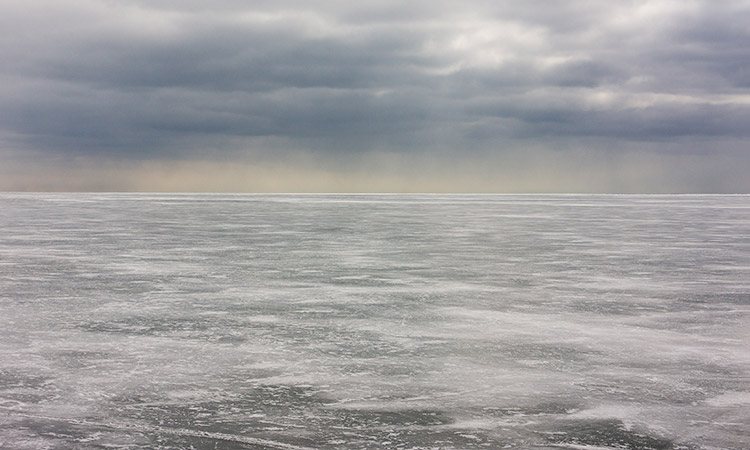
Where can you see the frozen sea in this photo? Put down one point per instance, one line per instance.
(374, 321)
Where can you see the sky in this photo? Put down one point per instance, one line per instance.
(387, 96)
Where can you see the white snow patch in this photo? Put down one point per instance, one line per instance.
(624, 413)
(730, 399)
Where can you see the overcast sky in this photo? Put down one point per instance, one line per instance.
(484, 96)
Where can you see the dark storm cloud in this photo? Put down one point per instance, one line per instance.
(135, 79)
(214, 75)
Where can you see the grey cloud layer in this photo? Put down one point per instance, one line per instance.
(133, 79)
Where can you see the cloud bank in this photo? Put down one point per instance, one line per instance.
(637, 96)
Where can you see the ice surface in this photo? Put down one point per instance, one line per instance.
(374, 321)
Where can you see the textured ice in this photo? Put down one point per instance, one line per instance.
(374, 321)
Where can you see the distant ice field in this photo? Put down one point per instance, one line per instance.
(374, 321)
